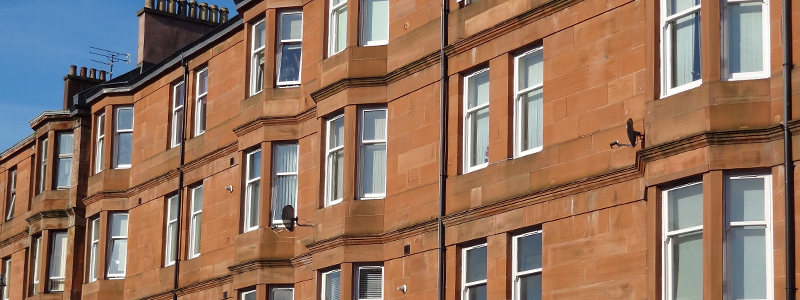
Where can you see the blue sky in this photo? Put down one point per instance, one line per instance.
(39, 40)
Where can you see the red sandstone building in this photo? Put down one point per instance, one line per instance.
(170, 180)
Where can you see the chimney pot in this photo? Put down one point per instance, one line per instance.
(171, 6)
(73, 70)
(102, 75)
(223, 15)
(192, 9)
(162, 5)
(213, 13)
(92, 73)
(182, 7)
(148, 3)
(203, 11)
(83, 71)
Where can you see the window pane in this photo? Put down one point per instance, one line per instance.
(172, 238)
(686, 50)
(65, 143)
(124, 148)
(282, 294)
(285, 158)
(529, 252)
(370, 283)
(125, 118)
(254, 165)
(292, 27)
(173, 208)
(476, 292)
(177, 124)
(202, 82)
(201, 115)
(374, 172)
(259, 34)
(476, 264)
(530, 70)
(116, 262)
(746, 199)
(255, 193)
(179, 96)
(676, 6)
(58, 259)
(197, 199)
(745, 44)
(337, 169)
(341, 29)
(479, 137)
(258, 72)
(530, 287)
(332, 285)
(64, 169)
(285, 194)
(119, 225)
(531, 116)
(337, 133)
(374, 125)
(748, 262)
(251, 295)
(197, 221)
(687, 266)
(96, 229)
(478, 89)
(377, 20)
(290, 62)
(685, 207)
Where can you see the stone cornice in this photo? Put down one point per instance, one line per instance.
(254, 124)
(210, 157)
(50, 214)
(193, 288)
(394, 235)
(259, 264)
(14, 238)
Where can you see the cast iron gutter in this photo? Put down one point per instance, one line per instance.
(442, 154)
(788, 168)
(180, 181)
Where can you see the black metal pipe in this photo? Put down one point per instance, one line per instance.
(180, 182)
(442, 154)
(787, 148)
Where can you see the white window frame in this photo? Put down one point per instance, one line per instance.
(666, 235)
(515, 273)
(117, 132)
(362, 143)
(61, 156)
(177, 133)
(194, 240)
(170, 240)
(328, 168)
(244, 294)
(99, 143)
(7, 278)
(518, 106)
(726, 73)
(465, 119)
(42, 165)
(767, 223)
(666, 54)
(333, 34)
(94, 245)
(254, 52)
(51, 278)
(12, 194)
(111, 239)
(325, 282)
(464, 284)
(37, 242)
(357, 281)
(363, 27)
(247, 201)
(275, 175)
(279, 51)
(277, 288)
(200, 104)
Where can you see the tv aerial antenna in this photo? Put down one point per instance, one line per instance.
(111, 57)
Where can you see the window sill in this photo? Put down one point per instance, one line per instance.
(682, 88)
(528, 152)
(468, 170)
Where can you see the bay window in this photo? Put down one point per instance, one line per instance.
(252, 190)
(528, 103)
(683, 242)
(123, 137)
(117, 245)
(473, 272)
(58, 262)
(372, 153)
(64, 160)
(374, 22)
(476, 121)
(337, 28)
(680, 23)
(527, 266)
(257, 57)
(177, 115)
(334, 160)
(290, 46)
(284, 179)
(171, 239)
(331, 285)
(201, 101)
(745, 35)
(195, 222)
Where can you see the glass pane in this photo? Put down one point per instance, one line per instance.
(530, 70)
(172, 238)
(64, 170)
(687, 266)
(476, 292)
(124, 148)
(202, 82)
(173, 208)
(336, 133)
(746, 199)
(374, 125)
(685, 207)
(745, 44)
(58, 256)
(201, 115)
(290, 62)
(96, 229)
(251, 295)
(116, 261)
(676, 6)
(282, 294)
(529, 252)
(197, 199)
(125, 118)
(332, 285)
(255, 193)
(179, 96)
(370, 283)
(479, 137)
(685, 50)
(530, 287)
(285, 158)
(292, 27)
(285, 193)
(478, 89)
(254, 165)
(119, 224)
(177, 124)
(532, 119)
(374, 172)
(197, 222)
(341, 29)
(258, 72)
(101, 121)
(93, 263)
(748, 262)
(476, 264)
(337, 170)
(65, 143)
(377, 20)
(259, 35)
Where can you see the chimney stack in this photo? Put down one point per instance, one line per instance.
(75, 82)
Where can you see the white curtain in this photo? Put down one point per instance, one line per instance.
(377, 20)
(254, 191)
(197, 219)
(373, 153)
(532, 118)
(687, 266)
(341, 29)
(745, 41)
(686, 49)
(285, 185)
(58, 261)
(479, 121)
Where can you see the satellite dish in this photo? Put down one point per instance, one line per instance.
(288, 218)
(633, 136)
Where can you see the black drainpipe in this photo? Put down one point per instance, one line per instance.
(180, 182)
(442, 153)
(787, 148)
